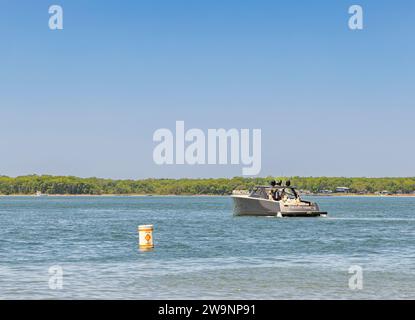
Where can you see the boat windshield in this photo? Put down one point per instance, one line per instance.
(264, 192)
(259, 192)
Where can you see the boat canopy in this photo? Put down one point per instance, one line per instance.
(263, 191)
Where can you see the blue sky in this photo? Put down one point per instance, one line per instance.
(86, 100)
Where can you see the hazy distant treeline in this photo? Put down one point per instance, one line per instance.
(73, 185)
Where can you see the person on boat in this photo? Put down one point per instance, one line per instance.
(274, 195)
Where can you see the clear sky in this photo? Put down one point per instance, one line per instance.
(86, 100)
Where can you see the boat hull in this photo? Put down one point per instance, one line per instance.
(248, 206)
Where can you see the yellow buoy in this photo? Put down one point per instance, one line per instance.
(145, 236)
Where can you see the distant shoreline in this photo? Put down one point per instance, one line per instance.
(203, 195)
(112, 195)
(74, 186)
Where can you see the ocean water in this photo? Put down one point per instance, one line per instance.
(202, 251)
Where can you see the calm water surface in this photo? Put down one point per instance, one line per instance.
(202, 251)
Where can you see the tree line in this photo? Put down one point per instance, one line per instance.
(26, 185)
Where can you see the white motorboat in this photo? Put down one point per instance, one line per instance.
(274, 200)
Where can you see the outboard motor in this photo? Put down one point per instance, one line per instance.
(287, 183)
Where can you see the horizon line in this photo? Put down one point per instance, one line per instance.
(205, 178)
